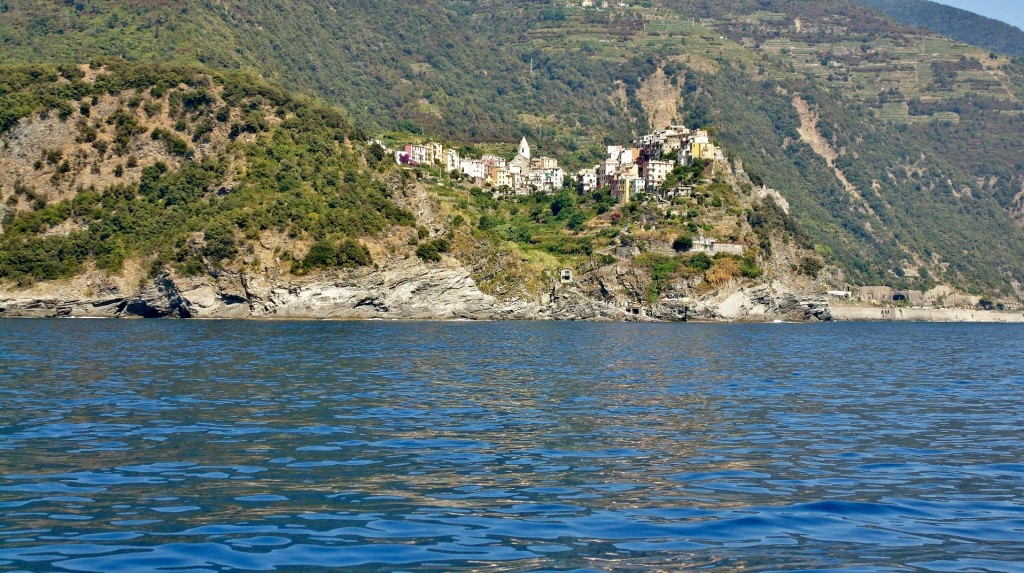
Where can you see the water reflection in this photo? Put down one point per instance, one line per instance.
(211, 446)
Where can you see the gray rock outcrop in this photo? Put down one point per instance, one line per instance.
(399, 289)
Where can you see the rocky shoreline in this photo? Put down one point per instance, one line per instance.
(408, 289)
(401, 289)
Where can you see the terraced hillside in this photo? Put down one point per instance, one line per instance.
(955, 23)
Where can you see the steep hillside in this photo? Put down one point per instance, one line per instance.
(151, 190)
(176, 168)
(418, 66)
(895, 147)
(956, 23)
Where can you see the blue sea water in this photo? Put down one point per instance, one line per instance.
(182, 446)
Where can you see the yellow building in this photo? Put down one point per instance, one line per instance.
(708, 151)
(500, 177)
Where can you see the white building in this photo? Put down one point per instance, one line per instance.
(524, 149)
(622, 154)
(474, 168)
(418, 154)
(555, 177)
(586, 180)
(657, 171)
(451, 160)
(714, 247)
(545, 180)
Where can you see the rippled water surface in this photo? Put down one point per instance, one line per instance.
(224, 446)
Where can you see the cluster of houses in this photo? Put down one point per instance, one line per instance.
(644, 166)
(521, 175)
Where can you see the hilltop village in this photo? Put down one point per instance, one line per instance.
(666, 166)
(627, 171)
(520, 175)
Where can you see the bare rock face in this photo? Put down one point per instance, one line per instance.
(773, 301)
(569, 303)
(157, 300)
(400, 289)
(210, 301)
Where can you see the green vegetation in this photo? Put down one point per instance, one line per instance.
(700, 262)
(392, 64)
(431, 251)
(555, 224)
(767, 218)
(326, 254)
(714, 271)
(682, 243)
(302, 179)
(917, 196)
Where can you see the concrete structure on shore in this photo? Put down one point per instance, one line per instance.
(849, 313)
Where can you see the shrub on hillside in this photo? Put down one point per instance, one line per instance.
(431, 251)
(325, 255)
(682, 243)
(699, 262)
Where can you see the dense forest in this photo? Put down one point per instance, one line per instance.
(919, 182)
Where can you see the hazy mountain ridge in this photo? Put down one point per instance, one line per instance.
(956, 23)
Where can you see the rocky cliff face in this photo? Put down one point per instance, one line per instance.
(400, 288)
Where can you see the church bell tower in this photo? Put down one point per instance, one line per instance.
(524, 148)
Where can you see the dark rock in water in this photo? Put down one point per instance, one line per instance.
(158, 300)
(817, 309)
